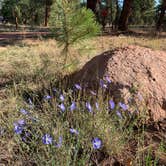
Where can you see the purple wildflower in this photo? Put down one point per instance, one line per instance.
(77, 86)
(47, 139)
(74, 131)
(102, 84)
(47, 97)
(21, 122)
(62, 98)
(123, 106)
(18, 129)
(73, 106)
(30, 101)
(96, 143)
(108, 79)
(112, 104)
(19, 126)
(88, 106)
(62, 107)
(23, 111)
(59, 144)
(97, 106)
(118, 113)
(55, 90)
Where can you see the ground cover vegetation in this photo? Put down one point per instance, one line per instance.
(43, 121)
(63, 118)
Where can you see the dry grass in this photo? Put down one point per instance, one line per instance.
(29, 57)
(32, 51)
(38, 58)
(34, 62)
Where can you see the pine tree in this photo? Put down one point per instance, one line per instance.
(23, 11)
(143, 12)
(11, 10)
(71, 23)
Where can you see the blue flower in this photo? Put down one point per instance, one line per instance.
(47, 97)
(62, 107)
(112, 104)
(74, 131)
(62, 98)
(47, 139)
(21, 122)
(59, 144)
(30, 101)
(23, 111)
(102, 84)
(97, 106)
(77, 86)
(96, 143)
(73, 106)
(88, 106)
(18, 129)
(118, 113)
(19, 126)
(123, 106)
(55, 90)
(108, 79)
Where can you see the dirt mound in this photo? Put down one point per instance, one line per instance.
(132, 69)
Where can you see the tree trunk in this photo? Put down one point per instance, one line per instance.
(117, 14)
(91, 4)
(15, 16)
(16, 22)
(126, 11)
(161, 17)
(48, 4)
(109, 8)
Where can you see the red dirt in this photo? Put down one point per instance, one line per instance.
(131, 67)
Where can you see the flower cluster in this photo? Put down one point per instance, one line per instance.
(89, 106)
(19, 126)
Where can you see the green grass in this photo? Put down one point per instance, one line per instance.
(31, 67)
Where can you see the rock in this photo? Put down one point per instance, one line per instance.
(131, 68)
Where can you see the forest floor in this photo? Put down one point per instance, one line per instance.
(31, 62)
(9, 36)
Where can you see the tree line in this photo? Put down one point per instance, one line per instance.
(134, 12)
(32, 12)
(117, 12)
